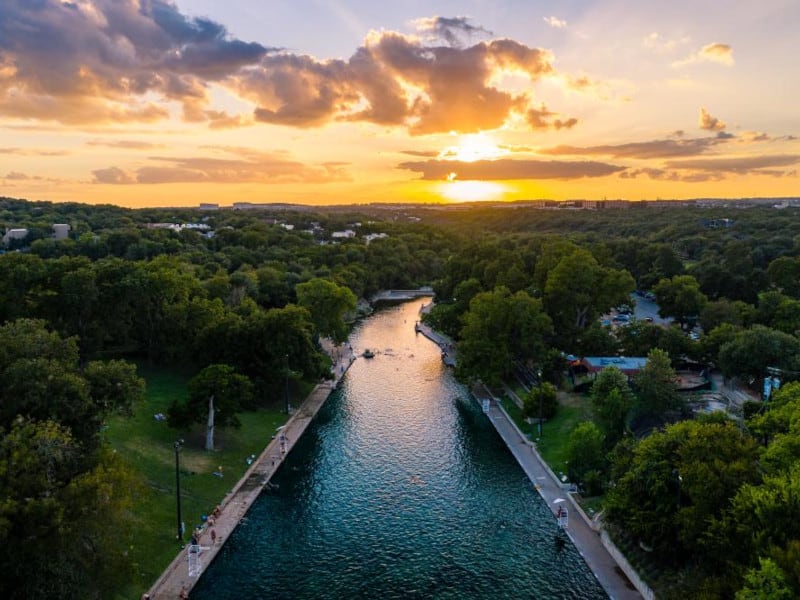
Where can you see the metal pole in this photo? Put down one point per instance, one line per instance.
(178, 445)
(286, 360)
(539, 378)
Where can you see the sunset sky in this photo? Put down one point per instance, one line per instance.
(158, 103)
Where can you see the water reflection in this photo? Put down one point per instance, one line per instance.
(400, 489)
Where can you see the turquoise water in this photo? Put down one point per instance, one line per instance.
(401, 488)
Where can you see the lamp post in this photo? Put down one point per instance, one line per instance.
(286, 363)
(178, 445)
(539, 383)
(679, 480)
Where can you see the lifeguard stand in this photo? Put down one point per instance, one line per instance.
(195, 564)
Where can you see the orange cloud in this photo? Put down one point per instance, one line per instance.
(125, 60)
(644, 150)
(80, 62)
(395, 80)
(716, 52)
(246, 166)
(710, 123)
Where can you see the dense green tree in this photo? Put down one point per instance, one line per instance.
(328, 304)
(540, 402)
(216, 395)
(63, 521)
(656, 391)
(676, 482)
(784, 275)
(114, 385)
(585, 457)
(751, 351)
(578, 290)
(680, 297)
(499, 328)
(765, 583)
(761, 521)
(612, 399)
(724, 311)
(638, 337)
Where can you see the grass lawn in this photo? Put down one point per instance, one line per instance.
(572, 409)
(148, 445)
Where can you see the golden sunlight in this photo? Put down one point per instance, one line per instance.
(472, 147)
(471, 191)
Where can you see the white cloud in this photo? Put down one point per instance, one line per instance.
(555, 22)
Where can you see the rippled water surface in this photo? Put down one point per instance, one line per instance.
(401, 488)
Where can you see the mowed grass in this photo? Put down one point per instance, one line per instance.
(572, 410)
(148, 446)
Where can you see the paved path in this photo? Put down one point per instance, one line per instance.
(236, 504)
(586, 540)
(443, 341)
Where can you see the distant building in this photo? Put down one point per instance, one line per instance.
(630, 365)
(172, 226)
(347, 233)
(208, 206)
(61, 231)
(375, 236)
(718, 223)
(14, 234)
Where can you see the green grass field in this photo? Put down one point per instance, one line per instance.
(148, 445)
(572, 409)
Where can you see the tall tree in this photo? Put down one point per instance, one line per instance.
(499, 328)
(680, 297)
(585, 456)
(656, 390)
(578, 290)
(64, 517)
(612, 399)
(328, 304)
(216, 394)
(751, 351)
(677, 481)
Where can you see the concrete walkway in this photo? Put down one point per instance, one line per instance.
(444, 342)
(177, 576)
(586, 539)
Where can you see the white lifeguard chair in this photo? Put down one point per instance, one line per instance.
(195, 563)
(562, 513)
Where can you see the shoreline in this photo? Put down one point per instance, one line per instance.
(584, 536)
(186, 568)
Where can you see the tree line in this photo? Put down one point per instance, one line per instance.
(516, 288)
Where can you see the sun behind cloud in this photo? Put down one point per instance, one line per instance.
(471, 191)
(472, 147)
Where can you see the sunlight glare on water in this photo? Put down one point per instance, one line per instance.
(401, 488)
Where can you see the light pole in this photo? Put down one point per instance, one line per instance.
(679, 480)
(286, 362)
(178, 445)
(539, 383)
